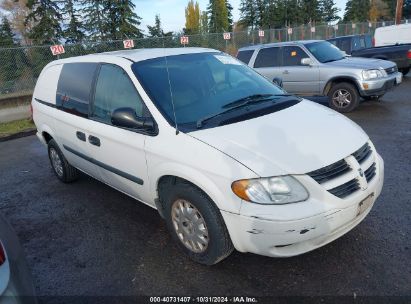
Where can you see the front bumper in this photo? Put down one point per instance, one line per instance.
(299, 233)
(378, 87)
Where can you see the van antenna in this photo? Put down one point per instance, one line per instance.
(171, 95)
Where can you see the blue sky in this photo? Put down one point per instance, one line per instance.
(172, 11)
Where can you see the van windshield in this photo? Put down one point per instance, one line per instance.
(193, 90)
(325, 51)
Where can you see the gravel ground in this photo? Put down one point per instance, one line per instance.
(88, 239)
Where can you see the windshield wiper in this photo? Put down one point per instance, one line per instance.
(239, 103)
(247, 100)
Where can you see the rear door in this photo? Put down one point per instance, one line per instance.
(71, 121)
(297, 78)
(119, 152)
(268, 62)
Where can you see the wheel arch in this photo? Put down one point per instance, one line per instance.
(339, 79)
(47, 133)
(196, 179)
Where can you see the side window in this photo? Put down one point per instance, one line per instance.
(245, 56)
(114, 90)
(74, 87)
(268, 57)
(344, 44)
(292, 55)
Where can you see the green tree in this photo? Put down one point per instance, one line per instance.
(218, 16)
(74, 32)
(121, 21)
(310, 11)
(329, 12)
(93, 18)
(204, 23)
(230, 15)
(156, 30)
(357, 10)
(8, 57)
(192, 14)
(47, 20)
(248, 13)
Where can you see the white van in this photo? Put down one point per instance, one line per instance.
(227, 158)
(393, 34)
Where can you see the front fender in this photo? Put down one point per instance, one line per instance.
(216, 187)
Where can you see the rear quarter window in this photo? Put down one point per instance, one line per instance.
(74, 87)
(245, 56)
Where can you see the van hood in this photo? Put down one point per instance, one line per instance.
(362, 63)
(296, 140)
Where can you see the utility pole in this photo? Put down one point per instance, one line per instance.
(398, 11)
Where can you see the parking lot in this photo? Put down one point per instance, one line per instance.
(88, 239)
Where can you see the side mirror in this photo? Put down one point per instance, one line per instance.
(127, 118)
(306, 61)
(278, 81)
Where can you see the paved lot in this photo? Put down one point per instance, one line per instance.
(87, 239)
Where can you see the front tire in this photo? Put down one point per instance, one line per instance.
(63, 170)
(343, 97)
(195, 223)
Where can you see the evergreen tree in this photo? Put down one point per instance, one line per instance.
(218, 16)
(121, 20)
(74, 30)
(357, 10)
(156, 30)
(8, 57)
(192, 13)
(204, 23)
(329, 12)
(93, 18)
(46, 17)
(6, 34)
(310, 11)
(230, 15)
(248, 13)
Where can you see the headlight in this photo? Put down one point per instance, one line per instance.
(270, 190)
(372, 74)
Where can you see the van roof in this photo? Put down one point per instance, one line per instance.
(139, 54)
(258, 46)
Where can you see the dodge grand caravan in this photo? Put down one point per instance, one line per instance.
(227, 158)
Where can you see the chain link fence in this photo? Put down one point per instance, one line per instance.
(21, 66)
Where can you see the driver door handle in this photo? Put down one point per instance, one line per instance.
(94, 140)
(286, 72)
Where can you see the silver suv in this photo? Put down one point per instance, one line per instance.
(317, 67)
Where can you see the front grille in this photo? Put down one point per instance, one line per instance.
(341, 168)
(362, 153)
(391, 70)
(370, 172)
(345, 189)
(330, 172)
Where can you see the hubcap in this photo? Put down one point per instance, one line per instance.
(56, 162)
(190, 226)
(342, 98)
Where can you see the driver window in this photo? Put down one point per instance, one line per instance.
(114, 90)
(292, 55)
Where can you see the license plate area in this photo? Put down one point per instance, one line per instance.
(365, 204)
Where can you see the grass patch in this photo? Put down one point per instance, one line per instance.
(17, 126)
